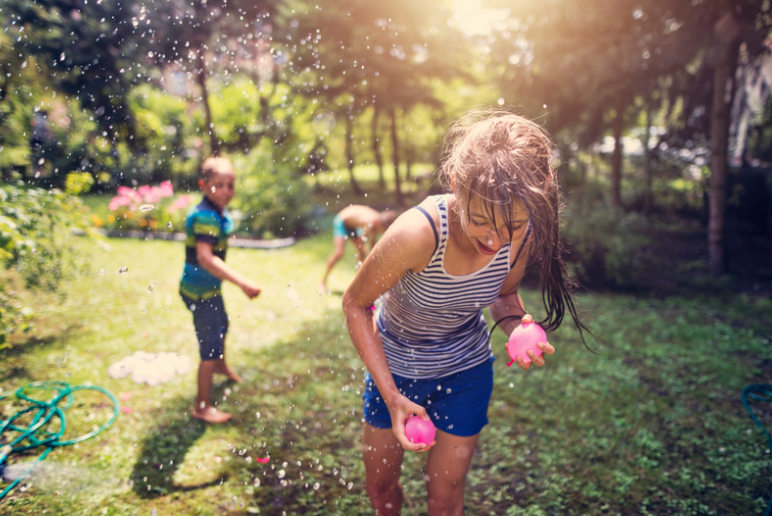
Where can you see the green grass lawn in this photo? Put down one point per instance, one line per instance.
(649, 424)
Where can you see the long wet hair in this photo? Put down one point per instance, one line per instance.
(506, 161)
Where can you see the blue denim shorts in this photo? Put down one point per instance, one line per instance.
(211, 324)
(457, 404)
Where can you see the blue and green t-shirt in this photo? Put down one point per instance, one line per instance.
(205, 223)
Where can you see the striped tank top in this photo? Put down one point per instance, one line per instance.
(431, 322)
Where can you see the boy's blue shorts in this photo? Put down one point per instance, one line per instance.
(457, 404)
(211, 324)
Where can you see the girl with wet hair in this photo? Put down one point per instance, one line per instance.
(427, 348)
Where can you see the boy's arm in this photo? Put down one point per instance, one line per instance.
(217, 267)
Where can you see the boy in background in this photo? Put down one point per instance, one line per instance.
(207, 229)
(360, 224)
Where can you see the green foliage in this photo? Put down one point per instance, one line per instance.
(91, 52)
(170, 145)
(271, 195)
(78, 183)
(605, 248)
(35, 229)
(74, 143)
(236, 107)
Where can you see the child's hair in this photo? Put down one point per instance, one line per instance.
(506, 160)
(212, 166)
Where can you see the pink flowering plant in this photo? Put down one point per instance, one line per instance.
(147, 208)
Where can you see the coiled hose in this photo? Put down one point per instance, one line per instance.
(758, 392)
(38, 416)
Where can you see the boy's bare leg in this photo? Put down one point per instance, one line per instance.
(222, 368)
(339, 246)
(203, 410)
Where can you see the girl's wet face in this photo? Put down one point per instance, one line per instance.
(487, 235)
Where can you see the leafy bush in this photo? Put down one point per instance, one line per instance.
(147, 208)
(171, 147)
(35, 229)
(78, 183)
(272, 199)
(604, 248)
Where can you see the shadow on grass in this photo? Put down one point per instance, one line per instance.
(164, 450)
(13, 356)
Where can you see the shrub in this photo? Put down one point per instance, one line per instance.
(603, 248)
(170, 146)
(78, 182)
(271, 199)
(35, 229)
(147, 208)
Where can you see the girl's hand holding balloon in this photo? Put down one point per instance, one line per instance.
(528, 344)
(419, 430)
(412, 436)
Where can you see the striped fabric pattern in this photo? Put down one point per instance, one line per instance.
(204, 224)
(431, 323)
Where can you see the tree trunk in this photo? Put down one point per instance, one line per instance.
(201, 80)
(616, 158)
(377, 149)
(395, 145)
(726, 52)
(409, 155)
(648, 198)
(350, 154)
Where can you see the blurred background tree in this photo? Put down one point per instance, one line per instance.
(655, 105)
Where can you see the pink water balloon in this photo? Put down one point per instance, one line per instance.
(523, 339)
(418, 430)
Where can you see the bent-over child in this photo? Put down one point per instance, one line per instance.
(359, 224)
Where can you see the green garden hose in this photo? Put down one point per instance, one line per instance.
(42, 413)
(758, 392)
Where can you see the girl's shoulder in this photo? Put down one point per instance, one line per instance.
(433, 204)
(413, 236)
